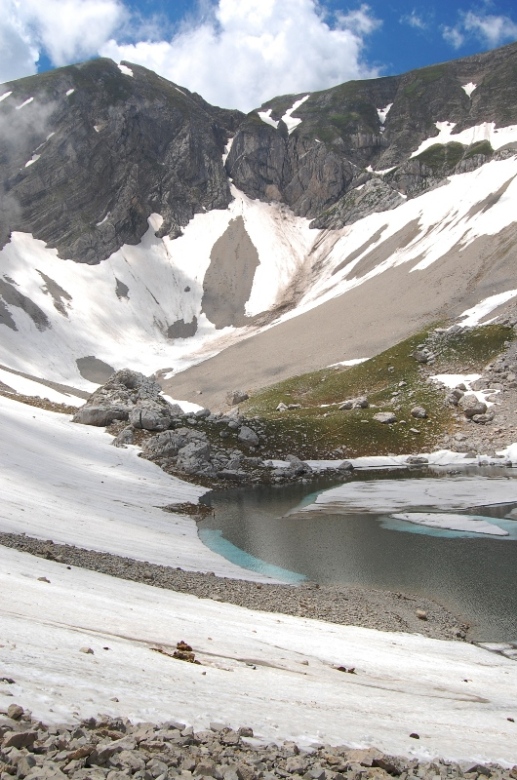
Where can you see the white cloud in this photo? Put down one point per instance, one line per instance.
(490, 29)
(235, 53)
(414, 20)
(246, 51)
(67, 30)
(18, 54)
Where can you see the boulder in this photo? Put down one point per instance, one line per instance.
(471, 406)
(164, 445)
(124, 438)
(235, 397)
(100, 415)
(361, 402)
(419, 412)
(150, 419)
(248, 436)
(388, 418)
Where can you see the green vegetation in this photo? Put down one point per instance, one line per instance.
(482, 147)
(392, 381)
(443, 158)
(422, 78)
(440, 156)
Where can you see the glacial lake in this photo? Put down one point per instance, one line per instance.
(368, 532)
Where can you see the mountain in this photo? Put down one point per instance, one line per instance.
(141, 226)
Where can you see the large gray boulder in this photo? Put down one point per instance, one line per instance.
(100, 415)
(164, 445)
(388, 418)
(129, 395)
(472, 407)
(248, 436)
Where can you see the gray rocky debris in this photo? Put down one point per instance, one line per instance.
(113, 748)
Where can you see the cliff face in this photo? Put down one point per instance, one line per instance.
(349, 132)
(88, 152)
(97, 150)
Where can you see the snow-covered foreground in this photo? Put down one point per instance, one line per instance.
(272, 672)
(66, 482)
(253, 668)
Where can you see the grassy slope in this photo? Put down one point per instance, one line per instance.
(320, 429)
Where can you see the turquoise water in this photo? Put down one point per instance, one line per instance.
(473, 575)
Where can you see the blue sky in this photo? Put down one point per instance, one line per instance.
(239, 53)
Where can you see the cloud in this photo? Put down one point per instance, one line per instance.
(235, 53)
(414, 20)
(66, 30)
(490, 29)
(240, 53)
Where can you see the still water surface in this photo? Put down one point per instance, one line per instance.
(475, 576)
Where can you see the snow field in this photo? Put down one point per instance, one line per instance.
(65, 481)
(253, 668)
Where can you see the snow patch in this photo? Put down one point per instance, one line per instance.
(266, 117)
(105, 219)
(382, 113)
(291, 121)
(34, 158)
(469, 88)
(69, 92)
(32, 387)
(477, 313)
(227, 149)
(452, 522)
(352, 362)
(387, 497)
(5, 95)
(25, 103)
(287, 118)
(125, 70)
(485, 132)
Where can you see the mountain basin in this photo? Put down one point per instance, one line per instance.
(447, 536)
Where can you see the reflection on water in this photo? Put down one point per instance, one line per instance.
(474, 575)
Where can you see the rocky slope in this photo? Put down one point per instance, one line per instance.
(274, 243)
(95, 143)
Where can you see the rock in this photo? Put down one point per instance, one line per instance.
(388, 418)
(19, 739)
(235, 397)
(419, 412)
(248, 436)
(124, 438)
(14, 711)
(100, 415)
(86, 650)
(416, 460)
(281, 407)
(471, 406)
(166, 444)
(482, 419)
(421, 356)
(361, 402)
(150, 419)
(345, 465)
(421, 614)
